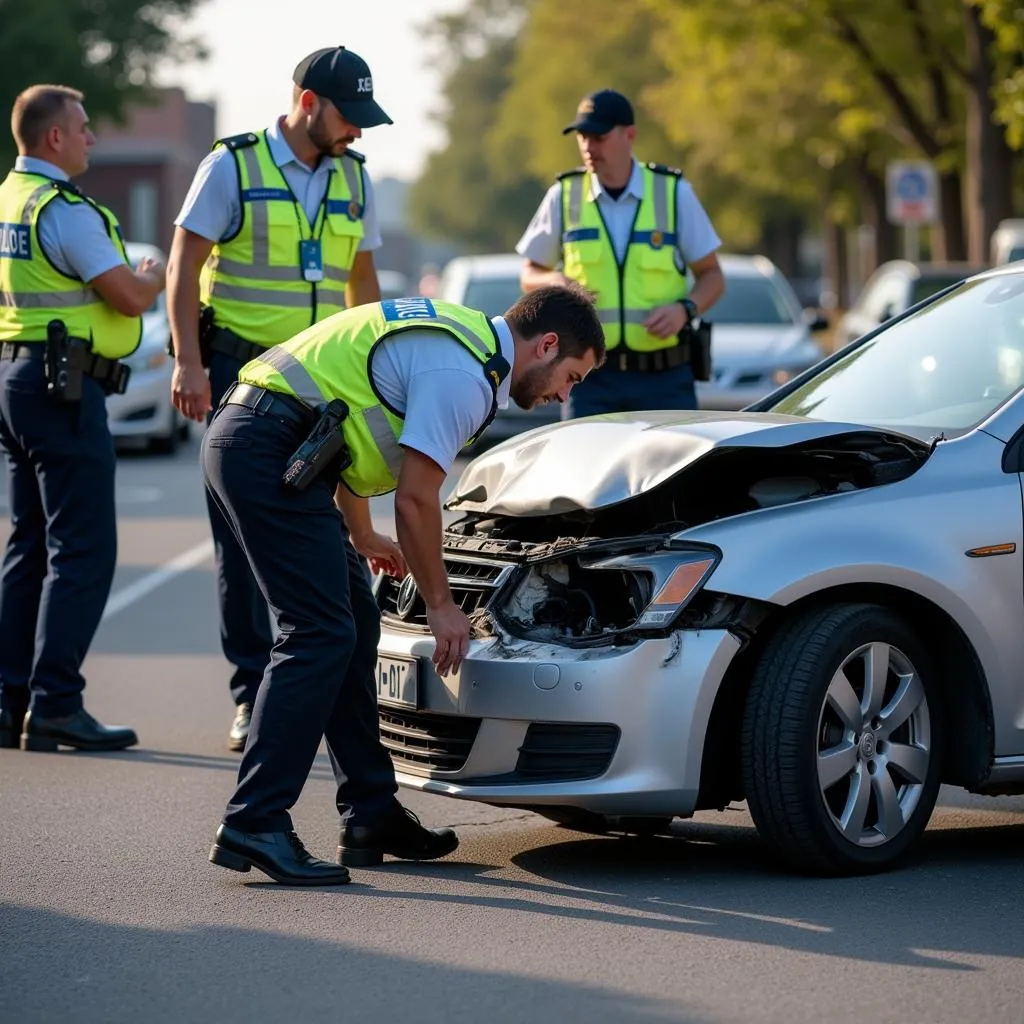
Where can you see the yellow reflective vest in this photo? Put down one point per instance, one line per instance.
(333, 359)
(648, 275)
(254, 280)
(33, 291)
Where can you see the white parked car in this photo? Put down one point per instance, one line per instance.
(144, 413)
(761, 338)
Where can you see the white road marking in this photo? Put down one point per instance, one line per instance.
(157, 578)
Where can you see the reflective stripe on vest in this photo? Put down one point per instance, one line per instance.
(332, 360)
(33, 291)
(254, 280)
(648, 276)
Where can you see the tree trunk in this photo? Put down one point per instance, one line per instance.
(780, 240)
(949, 242)
(989, 159)
(837, 266)
(872, 194)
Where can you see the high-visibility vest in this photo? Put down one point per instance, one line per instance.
(333, 359)
(33, 291)
(647, 277)
(254, 280)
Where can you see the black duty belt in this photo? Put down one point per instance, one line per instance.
(11, 350)
(621, 358)
(230, 344)
(111, 374)
(271, 403)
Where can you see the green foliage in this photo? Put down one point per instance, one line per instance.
(1005, 18)
(107, 48)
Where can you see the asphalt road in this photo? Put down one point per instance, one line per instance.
(110, 912)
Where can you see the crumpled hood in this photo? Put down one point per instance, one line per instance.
(591, 463)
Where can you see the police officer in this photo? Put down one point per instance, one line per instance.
(276, 233)
(627, 231)
(419, 379)
(63, 276)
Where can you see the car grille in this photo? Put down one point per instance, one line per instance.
(473, 582)
(420, 742)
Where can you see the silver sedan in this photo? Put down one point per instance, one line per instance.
(816, 606)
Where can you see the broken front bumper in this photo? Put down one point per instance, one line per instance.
(614, 730)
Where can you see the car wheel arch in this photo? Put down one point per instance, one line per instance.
(968, 749)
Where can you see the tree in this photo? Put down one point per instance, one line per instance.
(107, 48)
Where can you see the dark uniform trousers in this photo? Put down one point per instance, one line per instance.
(60, 557)
(245, 633)
(608, 389)
(321, 678)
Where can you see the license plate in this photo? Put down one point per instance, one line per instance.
(396, 682)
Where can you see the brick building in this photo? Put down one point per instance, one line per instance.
(143, 168)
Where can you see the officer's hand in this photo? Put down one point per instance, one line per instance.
(383, 554)
(451, 630)
(153, 269)
(666, 321)
(190, 391)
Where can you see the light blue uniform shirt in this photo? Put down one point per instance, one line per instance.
(213, 207)
(72, 235)
(695, 236)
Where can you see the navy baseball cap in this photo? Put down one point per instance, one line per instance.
(600, 112)
(343, 77)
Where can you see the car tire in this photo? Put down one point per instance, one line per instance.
(167, 444)
(842, 740)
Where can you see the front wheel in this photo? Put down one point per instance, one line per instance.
(842, 740)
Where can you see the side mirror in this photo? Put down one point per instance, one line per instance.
(815, 320)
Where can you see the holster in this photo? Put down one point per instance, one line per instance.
(207, 329)
(67, 362)
(324, 447)
(695, 340)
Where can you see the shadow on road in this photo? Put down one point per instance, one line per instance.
(932, 913)
(114, 973)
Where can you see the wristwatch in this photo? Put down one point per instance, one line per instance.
(692, 313)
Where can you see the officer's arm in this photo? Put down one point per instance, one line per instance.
(709, 283)
(534, 276)
(362, 284)
(418, 519)
(189, 252)
(130, 292)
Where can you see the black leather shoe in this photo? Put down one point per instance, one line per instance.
(79, 730)
(278, 854)
(240, 727)
(400, 835)
(11, 724)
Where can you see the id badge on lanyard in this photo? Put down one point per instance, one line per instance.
(311, 259)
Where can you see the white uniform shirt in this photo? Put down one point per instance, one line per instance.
(72, 235)
(213, 206)
(440, 388)
(695, 236)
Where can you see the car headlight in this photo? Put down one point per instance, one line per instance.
(592, 600)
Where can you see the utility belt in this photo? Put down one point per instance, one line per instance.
(68, 362)
(219, 339)
(325, 445)
(692, 348)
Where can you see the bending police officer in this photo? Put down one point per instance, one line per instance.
(70, 307)
(276, 233)
(627, 232)
(409, 382)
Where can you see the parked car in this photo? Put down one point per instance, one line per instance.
(893, 288)
(761, 338)
(144, 413)
(1008, 242)
(816, 605)
(491, 284)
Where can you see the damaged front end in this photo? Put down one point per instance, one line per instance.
(611, 575)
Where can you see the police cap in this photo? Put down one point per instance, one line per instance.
(343, 77)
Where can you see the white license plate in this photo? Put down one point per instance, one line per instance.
(397, 682)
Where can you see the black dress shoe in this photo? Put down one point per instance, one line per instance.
(11, 724)
(79, 730)
(278, 854)
(400, 834)
(240, 727)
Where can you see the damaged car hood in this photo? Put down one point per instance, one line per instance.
(588, 464)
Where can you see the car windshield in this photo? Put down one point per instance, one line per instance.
(492, 295)
(751, 300)
(942, 370)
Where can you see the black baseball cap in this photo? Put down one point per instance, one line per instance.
(600, 112)
(343, 77)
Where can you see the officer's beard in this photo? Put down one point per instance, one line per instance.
(535, 386)
(327, 144)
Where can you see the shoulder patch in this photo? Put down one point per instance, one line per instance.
(570, 174)
(242, 141)
(67, 188)
(356, 155)
(665, 169)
